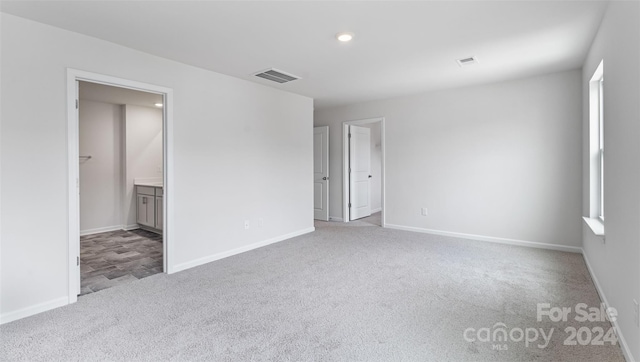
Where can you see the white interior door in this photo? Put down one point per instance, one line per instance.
(321, 173)
(359, 172)
(77, 224)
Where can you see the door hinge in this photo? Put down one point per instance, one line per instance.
(349, 135)
(349, 204)
(77, 260)
(76, 104)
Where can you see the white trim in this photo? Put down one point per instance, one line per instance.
(73, 185)
(594, 137)
(242, 249)
(322, 215)
(530, 244)
(373, 211)
(623, 343)
(109, 228)
(73, 76)
(34, 309)
(100, 230)
(167, 183)
(345, 164)
(596, 225)
(335, 218)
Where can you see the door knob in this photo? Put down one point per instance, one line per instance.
(369, 176)
(325, 178)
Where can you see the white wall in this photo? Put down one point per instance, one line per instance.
(241, 151)
(100, 127)
(500, 160)
(616, 263)
(143, 152)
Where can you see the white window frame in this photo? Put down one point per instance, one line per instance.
(595, 219)
(601, 146)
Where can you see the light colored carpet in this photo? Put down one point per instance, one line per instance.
(342, 293)
(374, 219)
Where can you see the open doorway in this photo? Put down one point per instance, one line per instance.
(119, 168)
(121, 185)
(363, 181)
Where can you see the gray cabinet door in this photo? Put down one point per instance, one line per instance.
(146, 210)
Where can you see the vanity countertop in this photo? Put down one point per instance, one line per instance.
(149, 184)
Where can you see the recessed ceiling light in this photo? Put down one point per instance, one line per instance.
(158, 104)
(344, 36)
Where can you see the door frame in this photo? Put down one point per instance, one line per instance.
(346, 187)
(325, 147)
(73, 76)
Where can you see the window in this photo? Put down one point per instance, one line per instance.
(601, 146)
(596, 151)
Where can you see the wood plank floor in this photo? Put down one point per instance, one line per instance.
(118, 257)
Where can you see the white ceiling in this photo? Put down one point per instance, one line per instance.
(116, 95)
(400, 48)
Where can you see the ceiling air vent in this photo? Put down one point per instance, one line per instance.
(467, 61)
(277, 76)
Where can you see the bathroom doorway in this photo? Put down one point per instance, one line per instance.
(120, 169)
(118, 227)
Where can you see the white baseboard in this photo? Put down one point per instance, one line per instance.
(109, 228)
(32, 310)
(531, 244)
(623, 343)
(225, 254)
(373, 211)
(335, 218)
(100, 230)
(131, 227)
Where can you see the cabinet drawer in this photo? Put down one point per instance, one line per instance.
(145, 190)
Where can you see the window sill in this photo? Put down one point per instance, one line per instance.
(596, 225)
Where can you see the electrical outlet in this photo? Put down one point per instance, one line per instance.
(246, 224)
(636, 313)
(424, 211)
(261, 222)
